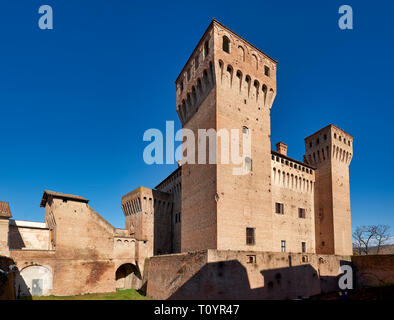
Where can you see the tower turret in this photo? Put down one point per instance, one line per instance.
(227, 84)
(330, 151)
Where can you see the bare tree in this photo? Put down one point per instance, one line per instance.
(358, 235)
(382, 235)
(366, 236)
(363, 236)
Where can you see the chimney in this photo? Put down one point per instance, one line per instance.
(281, 148)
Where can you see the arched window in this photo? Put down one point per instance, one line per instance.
(199, 86)
(239, 78)
(184, 109)
(196, 61)
(255, 61)
(230, 74)
(241, 53)
(245, 130)
(206, 48)
(181, 85)
(256, 84)
(226, 44)
(211, 71)
(221, 70)
(194, 95)
(205, 78)
(248, 80)
(264, 89)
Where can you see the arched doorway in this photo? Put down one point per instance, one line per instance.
(128, 277)
(33, 281)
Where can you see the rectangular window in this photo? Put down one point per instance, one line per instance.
(250, 236)
(251, 259)
(301, 213)
(248, 164)
(279, 208)
(303, 246)
(177, 217)
(267, 71)
(283, 246)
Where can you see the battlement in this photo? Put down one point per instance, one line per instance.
(223, 58)
(329, 143)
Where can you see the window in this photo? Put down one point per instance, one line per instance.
(250, 236)
(283, 246)
(317, 141)
(303, 247)
(335, 135)
(206, 49)
(251, 259)
(178, 217)
(245, 130)
(310, 144)
(301, 213)
(248, 164)
(325, 137)
(267, 71)
(196, 61)
(279, 208)
(226, 44)
(188, 74)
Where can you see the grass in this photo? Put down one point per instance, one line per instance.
(129, 294)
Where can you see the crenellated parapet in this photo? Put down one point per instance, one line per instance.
(222, 58)
(329, 144)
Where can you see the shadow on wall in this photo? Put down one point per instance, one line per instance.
(8, 274)
(128, 276)
(229, 280)
(15, 239)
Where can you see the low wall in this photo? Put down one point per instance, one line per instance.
(215, 274)
(67, 276)
(373, 270)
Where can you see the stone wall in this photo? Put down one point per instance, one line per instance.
(28, 235)
(214, 274)
(4, 227)
(373, 270)
(293, 186)
(86, 252)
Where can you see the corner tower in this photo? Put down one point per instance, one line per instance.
(227, 83)
(330, 150)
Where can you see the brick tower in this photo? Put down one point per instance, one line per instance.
(330, 150)
(227, 83)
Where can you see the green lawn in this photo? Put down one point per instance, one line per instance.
(129, 294)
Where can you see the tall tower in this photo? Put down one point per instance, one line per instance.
(227, 83)
(330, 150)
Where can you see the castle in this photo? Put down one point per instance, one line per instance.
(283, 213)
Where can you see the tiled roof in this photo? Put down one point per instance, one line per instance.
(61, 196)
(5, 210)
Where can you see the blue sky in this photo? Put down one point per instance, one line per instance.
(75, 101)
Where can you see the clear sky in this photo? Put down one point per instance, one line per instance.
(76, 100)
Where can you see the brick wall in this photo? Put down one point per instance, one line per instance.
(215, 274)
